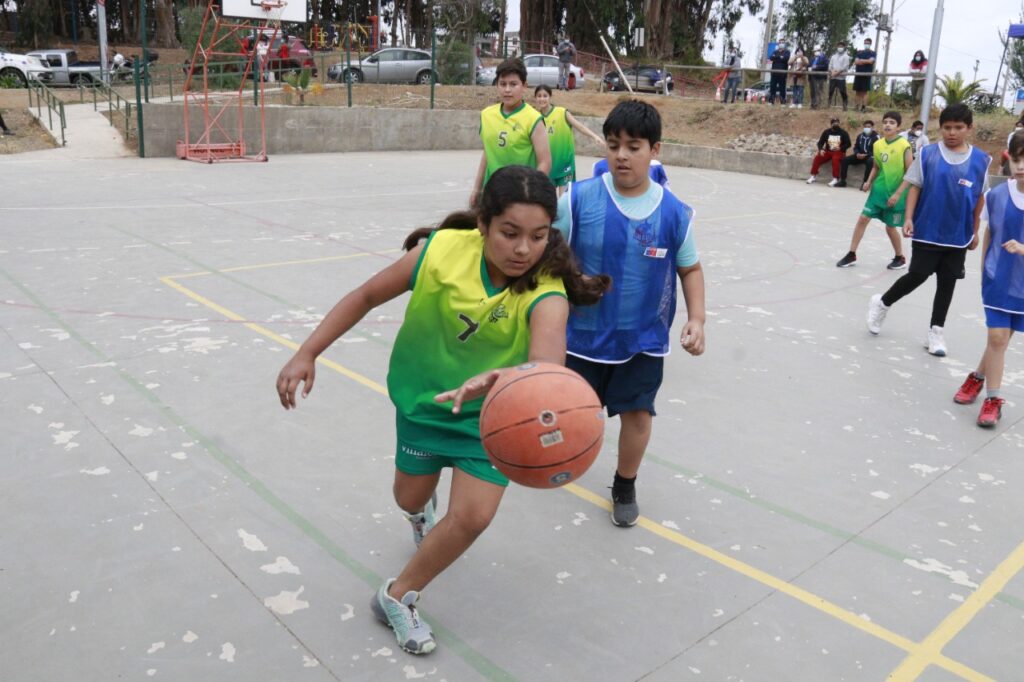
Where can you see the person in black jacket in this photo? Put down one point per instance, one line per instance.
(780, 62)
(861, 153)
(832, 146)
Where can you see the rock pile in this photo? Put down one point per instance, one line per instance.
(773, 144)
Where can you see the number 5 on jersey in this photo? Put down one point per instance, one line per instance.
(502, 138)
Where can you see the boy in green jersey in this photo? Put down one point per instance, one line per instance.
(893, 156)
(510, 129)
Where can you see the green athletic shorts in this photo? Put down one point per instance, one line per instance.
(875, 207)
(415, 461)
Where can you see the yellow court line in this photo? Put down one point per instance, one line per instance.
(932, 645)
(808, 598)
(260, 266)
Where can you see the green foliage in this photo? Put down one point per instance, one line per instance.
(35, 24)
(954, 89)
(191, 20)
(9, 82)
(455, 62)
(825, 22)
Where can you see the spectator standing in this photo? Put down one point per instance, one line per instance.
(918, 67)
(780, 64)
(798, 66)
(818, 76)
(566, 51)
(732, 62)
(262, 47)
(862, 153)
(832, 146)
(838, 65)
(916, 137)
(863, 64)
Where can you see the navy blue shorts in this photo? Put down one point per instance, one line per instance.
(623, 387)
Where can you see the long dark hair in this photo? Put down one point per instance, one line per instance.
(523, 185)
(923, 59)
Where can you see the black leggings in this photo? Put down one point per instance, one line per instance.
(944, 287)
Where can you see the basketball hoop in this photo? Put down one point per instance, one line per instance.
(272, 10)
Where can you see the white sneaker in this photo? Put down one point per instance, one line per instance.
(792, 106)
(936, 344)
(811, 180)
(833, 182)
(799, 106)
(876, 314)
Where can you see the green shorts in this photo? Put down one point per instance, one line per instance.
(564, 180)
(875, 207)
(415, 461)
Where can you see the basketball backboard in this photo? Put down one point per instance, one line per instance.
(292, 11)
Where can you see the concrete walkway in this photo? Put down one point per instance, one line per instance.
(88, 133)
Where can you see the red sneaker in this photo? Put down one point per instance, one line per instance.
(968, 393)
(991, 411)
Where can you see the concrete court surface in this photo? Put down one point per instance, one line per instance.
(815, 506)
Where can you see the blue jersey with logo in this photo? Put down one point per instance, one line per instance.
(1002, 279)
(944, 214)
(636, 314)
(655, 170)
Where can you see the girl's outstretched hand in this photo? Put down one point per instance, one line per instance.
(472, 389)
(300, 369)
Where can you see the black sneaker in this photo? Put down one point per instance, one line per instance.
(841, 183)
(897, 263)
(625, 510)
(846, 261)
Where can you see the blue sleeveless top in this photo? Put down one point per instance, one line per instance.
(1002, 279)
(945, 209)
(635, 316)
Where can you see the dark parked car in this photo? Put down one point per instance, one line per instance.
(650, 79)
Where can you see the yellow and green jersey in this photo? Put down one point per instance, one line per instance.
(506, 137)
(457, 325)
(563, 146)
(889, 162)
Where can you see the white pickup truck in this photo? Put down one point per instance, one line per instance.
(24, 68)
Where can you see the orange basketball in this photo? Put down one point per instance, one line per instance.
(542, 425)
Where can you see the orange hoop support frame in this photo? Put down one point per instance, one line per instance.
(231, 49)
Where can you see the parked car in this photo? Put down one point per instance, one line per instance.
(24, 68)
(66, 67)
(757, 91)
(649, 79)
(390, 65)
(541, 69)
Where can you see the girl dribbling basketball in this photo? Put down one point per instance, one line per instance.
(488, 292)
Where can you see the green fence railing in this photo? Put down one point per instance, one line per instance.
(54, 106)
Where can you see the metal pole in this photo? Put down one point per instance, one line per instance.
(888, 39)
(433, 60)
(138, 109)
(145, 51)
(1002, 60)
(101, 19)
(933, 58)
(348, 61)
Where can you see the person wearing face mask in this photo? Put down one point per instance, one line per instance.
(832, 146)
(862, 153)
(780, 64)
(798, 68)
(732, 62)
(863, 64)
(918, 67)
(838, 65)
(915, 136)
(818, 76)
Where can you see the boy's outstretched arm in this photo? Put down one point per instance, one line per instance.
(478, 182)
(584, 129)
(387, 284)
(692, 336)
(541, 147)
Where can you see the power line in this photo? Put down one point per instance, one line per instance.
(966, 54)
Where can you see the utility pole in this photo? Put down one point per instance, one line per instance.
(933, 61)
(888, 39)
(767, 33)
(976, 63)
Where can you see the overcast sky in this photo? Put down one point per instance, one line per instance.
(968, 34)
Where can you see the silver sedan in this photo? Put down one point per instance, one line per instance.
(390, 65)
(541, 69)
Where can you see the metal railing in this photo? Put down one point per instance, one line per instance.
(54, 105)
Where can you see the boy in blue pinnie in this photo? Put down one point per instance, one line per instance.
(947, 182)
(623, 224)
(1002, 286)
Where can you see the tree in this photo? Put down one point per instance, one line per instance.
(826, 22)
(1014, 57)
(954, 89)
